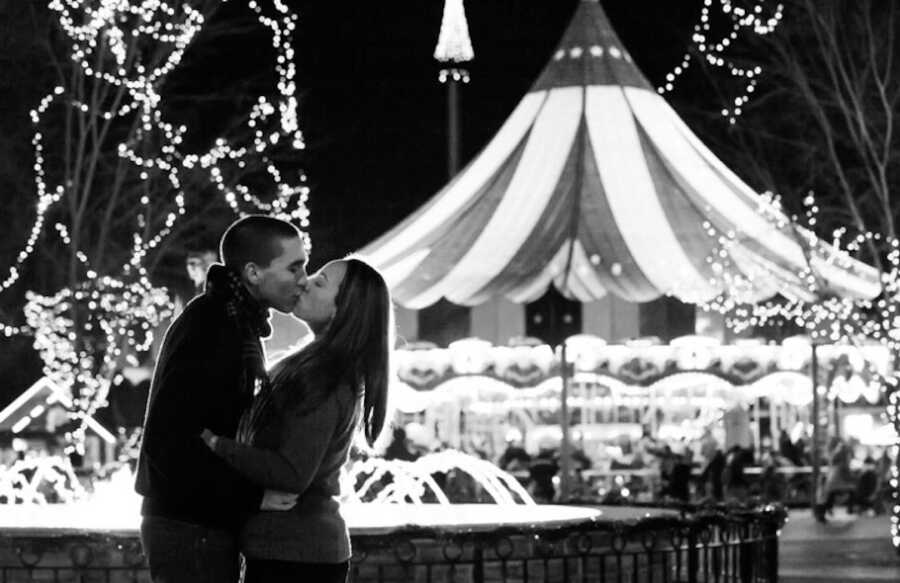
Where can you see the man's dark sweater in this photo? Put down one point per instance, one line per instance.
(196, 385)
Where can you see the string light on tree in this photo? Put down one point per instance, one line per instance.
(117, 322)
(823, 314)
(714, 50)
(121, 52)
(893, 410)
(120, 28)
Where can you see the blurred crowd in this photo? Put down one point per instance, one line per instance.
(702, 470)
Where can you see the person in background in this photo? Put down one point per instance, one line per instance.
(734, 480)
(543, 468)
(514, 457)
(399, 448)
(713, 476)
(786, 448)
(801, 453)
(298, 433)
(683, 471)
(647, 447)
(579, 462)
(197, 265)
(709, 482)
(838, 480)
(579, 458)
(883, 491)
(666, 463)
(772, 483)
(863, 497)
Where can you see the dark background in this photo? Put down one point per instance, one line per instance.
(375, 114)
(372, 109)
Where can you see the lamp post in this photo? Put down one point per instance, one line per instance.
(451, 78)
(454, 48)
(814, 450)
(444, 321)
(565, 457)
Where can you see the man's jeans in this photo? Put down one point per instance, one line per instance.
(179, 552)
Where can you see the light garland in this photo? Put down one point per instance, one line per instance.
(823, 315)
(85, 333)
(714, 51)
(85, 336)
(893, 411)
(116, 28)
(28, 481)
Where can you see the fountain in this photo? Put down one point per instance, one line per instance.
(413, 482)
(404, 529)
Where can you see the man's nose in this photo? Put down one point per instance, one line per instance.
(302, 281)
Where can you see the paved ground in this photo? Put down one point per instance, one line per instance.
(848, 548)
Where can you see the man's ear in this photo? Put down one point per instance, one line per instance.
(251, 273)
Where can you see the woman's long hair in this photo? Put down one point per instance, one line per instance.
(353, 350)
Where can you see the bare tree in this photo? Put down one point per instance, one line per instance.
(824, 120)
(822, 132)
(116, 181)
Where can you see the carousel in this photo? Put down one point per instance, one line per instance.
(474, 396)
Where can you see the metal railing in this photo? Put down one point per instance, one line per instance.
(708, 545)
(70, 557)
(702, 546)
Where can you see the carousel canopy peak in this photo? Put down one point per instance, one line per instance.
(595, 185)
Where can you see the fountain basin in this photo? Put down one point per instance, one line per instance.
(362, 519)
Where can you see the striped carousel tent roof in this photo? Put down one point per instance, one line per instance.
(596, 185)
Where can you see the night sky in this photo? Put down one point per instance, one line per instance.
(372, 109)
(374, 113)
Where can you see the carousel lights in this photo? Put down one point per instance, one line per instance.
(713, 51)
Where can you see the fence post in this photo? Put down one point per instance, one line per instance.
(771, 550)
(693, 562)
(477, 564)
(748, 553)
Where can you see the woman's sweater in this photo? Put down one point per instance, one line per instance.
(307, 452)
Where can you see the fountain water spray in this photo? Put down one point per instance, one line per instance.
(411, 482)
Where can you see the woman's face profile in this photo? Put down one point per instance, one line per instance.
(316, 305)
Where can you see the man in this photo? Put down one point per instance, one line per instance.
(208, 369)
(543, 468)
(514, 457)
(197, 264)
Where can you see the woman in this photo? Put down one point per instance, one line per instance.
(838, 480)
(297, 434)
